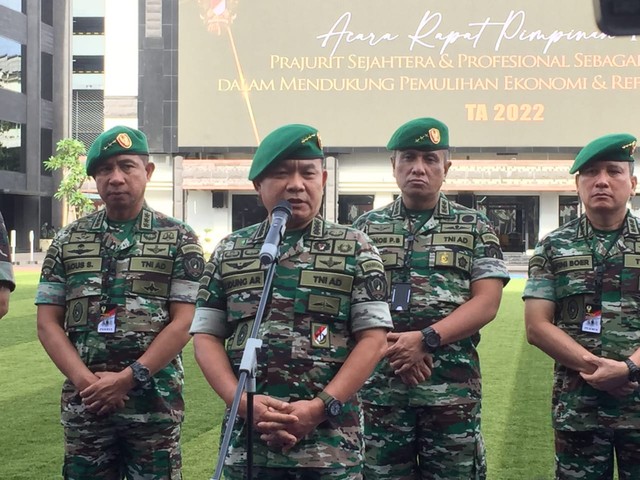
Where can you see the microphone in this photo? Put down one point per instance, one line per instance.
(280, 215)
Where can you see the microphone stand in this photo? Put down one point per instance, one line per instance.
(247, 381)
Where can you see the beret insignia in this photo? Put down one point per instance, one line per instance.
(434, 135)
(124, 140)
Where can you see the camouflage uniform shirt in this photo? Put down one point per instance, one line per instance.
(6, 271)
(91, 269)
(440, 260)
(328, 284)
(565, 269)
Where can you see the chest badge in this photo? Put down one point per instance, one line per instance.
(444, 258)
(320, 335)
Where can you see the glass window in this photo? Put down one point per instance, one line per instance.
(88, 115)
(14, 5)
(467, 199)
(568, 208)
(514, 218)
(10, 65)
(247, 210)
(46, 12)
(46, 86)
(88, 26)
(351, 207)
(10, 146)
(88, 64)
(46, 149)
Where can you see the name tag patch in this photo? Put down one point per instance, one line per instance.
(330, 281)
(577, 262)
(458, 239)
(150, 264)
(91, 264)
(394, 240)
(631, 260)
(242, 282)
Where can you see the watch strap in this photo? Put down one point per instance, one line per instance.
(634, 370)
(325, 397)
(332, 406)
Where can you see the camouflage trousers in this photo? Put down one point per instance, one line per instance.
(589, 455)
(429, 442)
(264, 473)
(136, 451)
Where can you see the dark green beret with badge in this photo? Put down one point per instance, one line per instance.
(424, 134)
(288, 142)
(116, 141)
(615, 147)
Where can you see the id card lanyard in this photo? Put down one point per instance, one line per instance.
(109, 309)
(592, 322)
(401, 291)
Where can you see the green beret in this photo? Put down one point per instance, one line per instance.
(293, 141)
(116, 141)
(616, 147)
(425, 134)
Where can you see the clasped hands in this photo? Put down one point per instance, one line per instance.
(611, 376)
(106, 391)
(283, 424)
(407, 357)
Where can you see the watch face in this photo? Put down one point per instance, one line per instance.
(432, 340)
(334, 408)
(141, 374)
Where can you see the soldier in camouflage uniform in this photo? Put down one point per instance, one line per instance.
(582, 304)
(115, 301)
(7, 281)
(324, 328)
(445, 274)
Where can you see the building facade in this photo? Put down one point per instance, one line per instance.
(34, 62)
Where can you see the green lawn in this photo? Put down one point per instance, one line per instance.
(516, 420)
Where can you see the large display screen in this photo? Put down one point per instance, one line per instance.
(500, 73)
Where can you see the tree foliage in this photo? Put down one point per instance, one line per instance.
(67, 159)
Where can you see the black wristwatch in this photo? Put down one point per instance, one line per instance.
(332, 406)
(141, 374)
(430, 339)
(634, 370)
